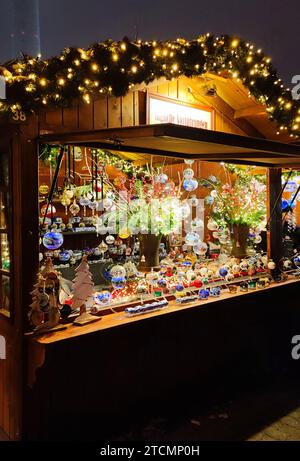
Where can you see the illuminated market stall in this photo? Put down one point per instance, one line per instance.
(148, 202)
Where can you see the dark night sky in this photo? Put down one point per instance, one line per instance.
(271, 24)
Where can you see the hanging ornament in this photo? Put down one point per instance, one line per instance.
(103, 247)
(78, 156)
(69, 193)
(192, 238)
(107, 203)
(258, 239)
(214, 193)
(118, 283)
(188, 173)
(209, 200)
(50, 212)
(93, 205)
(53, 240)
(190, 185)
(212, 179)
(223, 271)
(124, 234)
(185, 210)
(84, 201)
(194, 200)
(212, 225)
(271, 264)
(110, 240)
(44, 189)
(74, 208)
(189, 162)
(162, 178)
(64, 256)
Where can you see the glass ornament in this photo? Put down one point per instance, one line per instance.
(229, 277)
(51, 210)
(53, 240)
(152, 278)
(212, 179)
(296, 261)
(188, 173)
(104, 298)
(200, 249)
(203, 271)
(214, 193)
(197, 224)
(110, 240)
(244, 265)
(287, 264)
(215, 292)
(190, 275)
(204, 293)
(194, 201)
(84, 201)
(185, 210)
(179, 287)
(142, 288)
(74, 208)
(190, 185)
(209, 200)
(212, 225)
(44, 189)
(162, 283)
(258, 239)
(223, 271)
(64, 256)
(118, 271)
(103, 247)
(192, 238)
(93, 205)
(162, 178)
(271, 265)
(118, 283)
(284, 204)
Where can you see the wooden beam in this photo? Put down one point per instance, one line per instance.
(274, 215)
(249, 111)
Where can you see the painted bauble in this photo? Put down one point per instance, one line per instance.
(110, 240)
(284, 204)
(203, 293)
(212, 225)
(229, 277)
(152, 278)
(258, 239)
(236, 269)
(44, 189)
(190, 275)
(103, 247)
(197, 283)
(190, 185)
(296, 261)
(84, 201)
(118, 283)
(162, 178)
(287, 264)
(104, 298)
(142, 288)
(192, 238)
(244, 265)
(209, 200)
(212, 179)
(271, 265)
(200, 249)
(162, 283)
(188, 173)
(214, 193)
(74, 208)
(118, 271)
(179, 287)
(53, 240)
(64, 256)
(215, 292)
(223, 271)
(50, 212)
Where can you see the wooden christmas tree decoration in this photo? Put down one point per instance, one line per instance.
(83, 290)
(45, 300)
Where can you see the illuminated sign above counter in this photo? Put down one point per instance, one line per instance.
(165, 110)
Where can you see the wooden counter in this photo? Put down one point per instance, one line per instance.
(112, 373)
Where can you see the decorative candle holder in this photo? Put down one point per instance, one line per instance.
(252, 284)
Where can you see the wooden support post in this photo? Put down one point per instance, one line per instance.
(274, 215)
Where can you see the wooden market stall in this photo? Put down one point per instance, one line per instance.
(36, 398)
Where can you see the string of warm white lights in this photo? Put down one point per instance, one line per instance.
(113, 68)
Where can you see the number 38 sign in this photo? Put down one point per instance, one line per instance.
(18, 116)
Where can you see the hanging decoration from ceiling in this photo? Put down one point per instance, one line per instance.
(113, 68)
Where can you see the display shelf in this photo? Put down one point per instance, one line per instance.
(118, 319)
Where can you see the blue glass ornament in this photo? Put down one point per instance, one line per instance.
(209, 200)
(223, 271)
(190, 185)
(118, 283)
(64, 256)
(203, 293)
(162, 283)
(215, 292)
(104, 297)
(53, 240)
(179, 287)
(284, 204)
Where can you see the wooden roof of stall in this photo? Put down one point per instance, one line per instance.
(177, 141)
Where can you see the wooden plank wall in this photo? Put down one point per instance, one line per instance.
(130, 110)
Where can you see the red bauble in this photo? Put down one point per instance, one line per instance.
(197, 283)
(51, 210)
